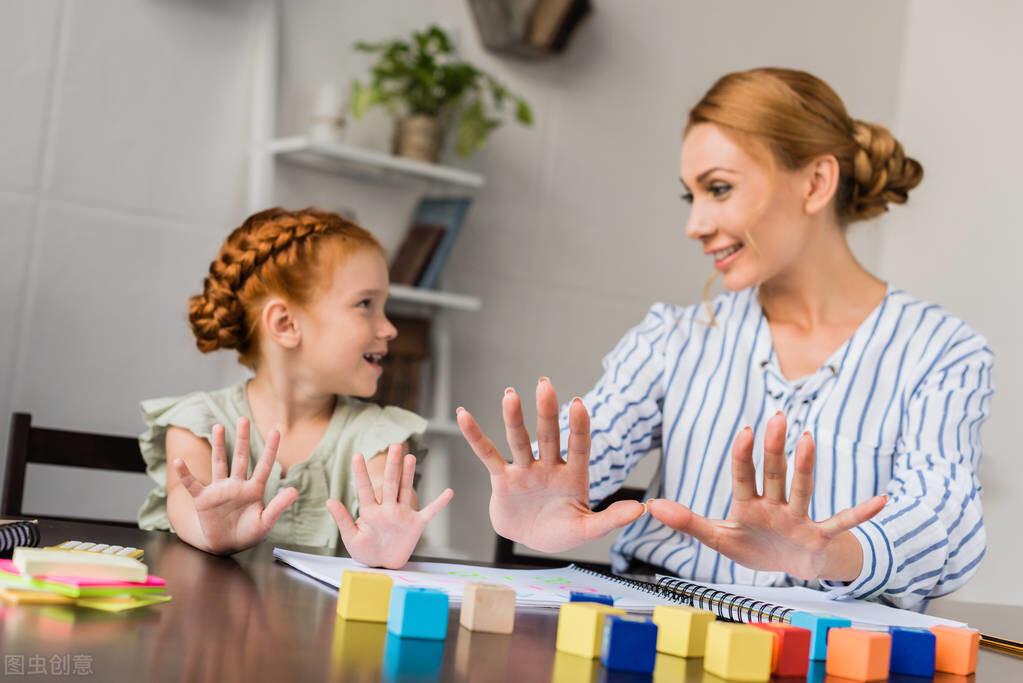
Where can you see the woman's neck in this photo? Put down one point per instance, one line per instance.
(278, 400)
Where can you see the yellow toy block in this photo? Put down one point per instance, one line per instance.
(364, 596)
(681, 631)
(488, 607)
(668, 669)
(581, 627)
(738, 652)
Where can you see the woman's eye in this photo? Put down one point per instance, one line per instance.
(687, 197)
(719, 190)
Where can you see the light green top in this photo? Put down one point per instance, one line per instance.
(355, 427)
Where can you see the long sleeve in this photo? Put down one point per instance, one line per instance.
(929, 539)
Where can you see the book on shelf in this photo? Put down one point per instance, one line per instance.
(528, 28)
(400, 384)
(414, 254)
(448, 213)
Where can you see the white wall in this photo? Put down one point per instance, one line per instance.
(958, 240)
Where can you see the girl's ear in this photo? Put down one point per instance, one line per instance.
(280, 324)
(823, 175)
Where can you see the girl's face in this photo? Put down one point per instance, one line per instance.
(344, 332)
(748, 216)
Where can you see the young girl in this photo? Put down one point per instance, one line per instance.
(301, 296)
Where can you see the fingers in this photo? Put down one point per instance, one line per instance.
(774, 459)
(515, 429)
(261, 472)
(480, 444)
(615, 516)
(578, 434)
(278, 504)
(363, 484)
(802, 475)
(392, 474)
(240, 459)
(218, 464)
(548, 433)
(191, 484)
(854, 516)
(343, 519)
(683, 519)
(406, 494)
(438, 504)
(744, 475)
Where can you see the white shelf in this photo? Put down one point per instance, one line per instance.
(430, 297)
(336, 157)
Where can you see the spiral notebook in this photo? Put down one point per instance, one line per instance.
(17, 533)
(551, 588)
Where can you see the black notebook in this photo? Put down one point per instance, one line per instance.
(18, 533)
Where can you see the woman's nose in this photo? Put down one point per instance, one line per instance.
(698, 226)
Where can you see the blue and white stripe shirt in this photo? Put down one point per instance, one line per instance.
(897, 409)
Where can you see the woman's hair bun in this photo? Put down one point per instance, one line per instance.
(881, 174)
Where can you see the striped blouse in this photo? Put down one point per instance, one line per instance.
(896, 409)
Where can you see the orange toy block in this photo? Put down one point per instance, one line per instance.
(955, 649)
(858, 655)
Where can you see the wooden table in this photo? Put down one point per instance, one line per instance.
(248, 618)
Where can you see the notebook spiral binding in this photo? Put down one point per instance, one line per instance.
(726, 605)
(18, 534)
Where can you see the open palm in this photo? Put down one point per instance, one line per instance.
(543, 503)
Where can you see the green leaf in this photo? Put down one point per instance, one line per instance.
(523, 112)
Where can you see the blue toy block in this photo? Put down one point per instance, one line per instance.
(819, 625)
(410, 659)
(576, 596)
(630, 644)
(912, 652)
(418, 613)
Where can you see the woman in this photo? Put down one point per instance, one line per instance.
(865, 402)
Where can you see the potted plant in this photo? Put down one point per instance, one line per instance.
(429, 88)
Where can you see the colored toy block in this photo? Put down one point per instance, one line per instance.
(364, 596)
(681, 631)
(819, 625)
(577, 596)
(629, 644)
(790, 655)
(738, 652)
(955, 649)
(581, 627)
(410, 659)
(488, 607)
(418, 613)
(858, 655)
(356, 649)
(669, 669)
(912, 652)
(569, 668)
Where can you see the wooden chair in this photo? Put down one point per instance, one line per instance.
(44, 446)
(504, 550)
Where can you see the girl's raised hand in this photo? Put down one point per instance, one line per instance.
(768, 532)
(230, 508)
(544, 503)
(388, 529)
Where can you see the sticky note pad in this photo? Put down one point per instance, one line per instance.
(629, 644)
(955, 649)
(418, 613)
(791, 653)
(912, 652)
(43, 562)
(818, 625)
(858, 655)
(364, 596)
(681, 631)
(581, 627)
(738, 652)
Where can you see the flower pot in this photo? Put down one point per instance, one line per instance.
(418, 137)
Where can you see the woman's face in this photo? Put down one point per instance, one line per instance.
(748, 216)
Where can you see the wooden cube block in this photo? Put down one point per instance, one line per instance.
(819, 625)
(955, 649)
(912, 652)
(738, 652)
(579, 596)
(629, 644)
(790, 655)
(581, 627)
(418, 613)
(488, 607)
(858, 655)
(364, 596)
(681, 631)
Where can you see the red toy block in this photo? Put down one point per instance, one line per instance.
(791, 653)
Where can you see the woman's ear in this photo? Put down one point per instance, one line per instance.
(823, 175)
(280, 324)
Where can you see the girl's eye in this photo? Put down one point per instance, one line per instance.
(719, 190)
(687, 197)
(365, 303)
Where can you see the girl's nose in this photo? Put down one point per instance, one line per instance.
(388, 330)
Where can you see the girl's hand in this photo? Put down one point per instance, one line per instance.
(544, 503)
(388, 529)
(769, 533)
(230, 509)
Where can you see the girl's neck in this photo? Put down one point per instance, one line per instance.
(279, 401)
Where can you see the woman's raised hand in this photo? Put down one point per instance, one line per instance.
(388, 529)
(769, 532)
(544, 503)
(230, 508)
